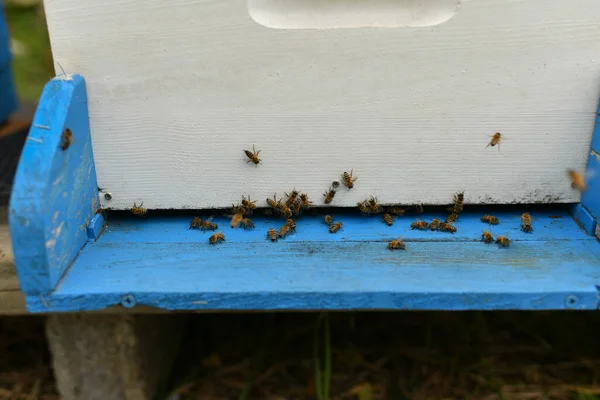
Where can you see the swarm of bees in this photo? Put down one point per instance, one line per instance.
(397, 244)
(526, 223)
(490, 219)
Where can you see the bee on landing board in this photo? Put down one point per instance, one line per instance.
(216, 238)
(304, 200)
(208, 226)
(487, 237)
(272, 235)
(329, 195)
(526, 223)
(387, 218)
(66, 139)
(503, 241)
(195, 223)
(236, 219)
(291, 198)
(420, 225)
(285, 229)
(285, 210)
(252, 156)
(577, 180)
(138, 210)
(396, 244)
(435, 224)
(490, 219)
(363, 206)
(347, 179)
(335, 227)
(446, 227)
(247, 223)
(495, 140)
(328, 220)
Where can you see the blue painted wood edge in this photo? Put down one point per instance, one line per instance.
(95, 227)
(55, 194)
(596, 135)
(585, 219)
(590, 198)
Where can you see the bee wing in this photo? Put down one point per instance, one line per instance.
(209, 218)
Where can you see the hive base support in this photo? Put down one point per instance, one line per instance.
(117, 357)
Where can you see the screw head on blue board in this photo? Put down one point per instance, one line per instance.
(128, 301)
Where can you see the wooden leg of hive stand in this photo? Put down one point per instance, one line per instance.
(117, 357)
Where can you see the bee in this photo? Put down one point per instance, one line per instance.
(420, 225)
(216, 238)
(247, 203)
(456, 208)
(304, 200)
(329, 196)
(253, 156)
(418, 208)
(503, 241)
(272, 235)
(240, 209)
(577, 180)
(435, 224)
(285, 229)
(459, 199)
(67, 138)
(195, 224)
(208, 226)
(490, 219)
(446, 227)
(396, 211)
(526, 223)
(274, 203)
(347, 179)
(374, 205)
(297, 208)
(387, 218)
(495, 140)
(291, 198)
(451, 218)
(291, 223)
(328, 220)
(396, 244)
(285, 210)
(487, 237)
(247, 223)
(138, 210)
(363, 207)
(335, 227)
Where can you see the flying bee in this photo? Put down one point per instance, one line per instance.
(420, 225)
(283, 232)
(387, 218)
(250, 205)
(495, 140)
(335, 227)
(396, 244)
(446, 227)
(503, 241)
(329, 195)
(216, 238)
(273, 203)
(138, 210)
(363, 207)
(247, 223)
(272, 235)
(328, 220)
(526, 223)
(435, 224)
(487, 237)
(418, 208)
(208, 226)
(577, 180)
(304, 200)
(252, 156)
(451, 218)
(195, 224)
(347, 179)
(490, 219)
(396, 211)
(291, 198)
(285, 210)
(236, 219)
(374, 205)
(66, 139)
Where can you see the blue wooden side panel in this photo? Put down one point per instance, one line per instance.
(8, 97)
(596, 135)
(55, 194)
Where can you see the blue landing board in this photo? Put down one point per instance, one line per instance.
(158, 262)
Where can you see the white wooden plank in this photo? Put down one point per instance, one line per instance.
(178, 89)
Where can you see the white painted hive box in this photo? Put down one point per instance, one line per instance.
(405, 92)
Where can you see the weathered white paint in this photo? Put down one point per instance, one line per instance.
(178, 89)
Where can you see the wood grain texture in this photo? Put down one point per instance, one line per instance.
(158, 262)
(177, 90)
